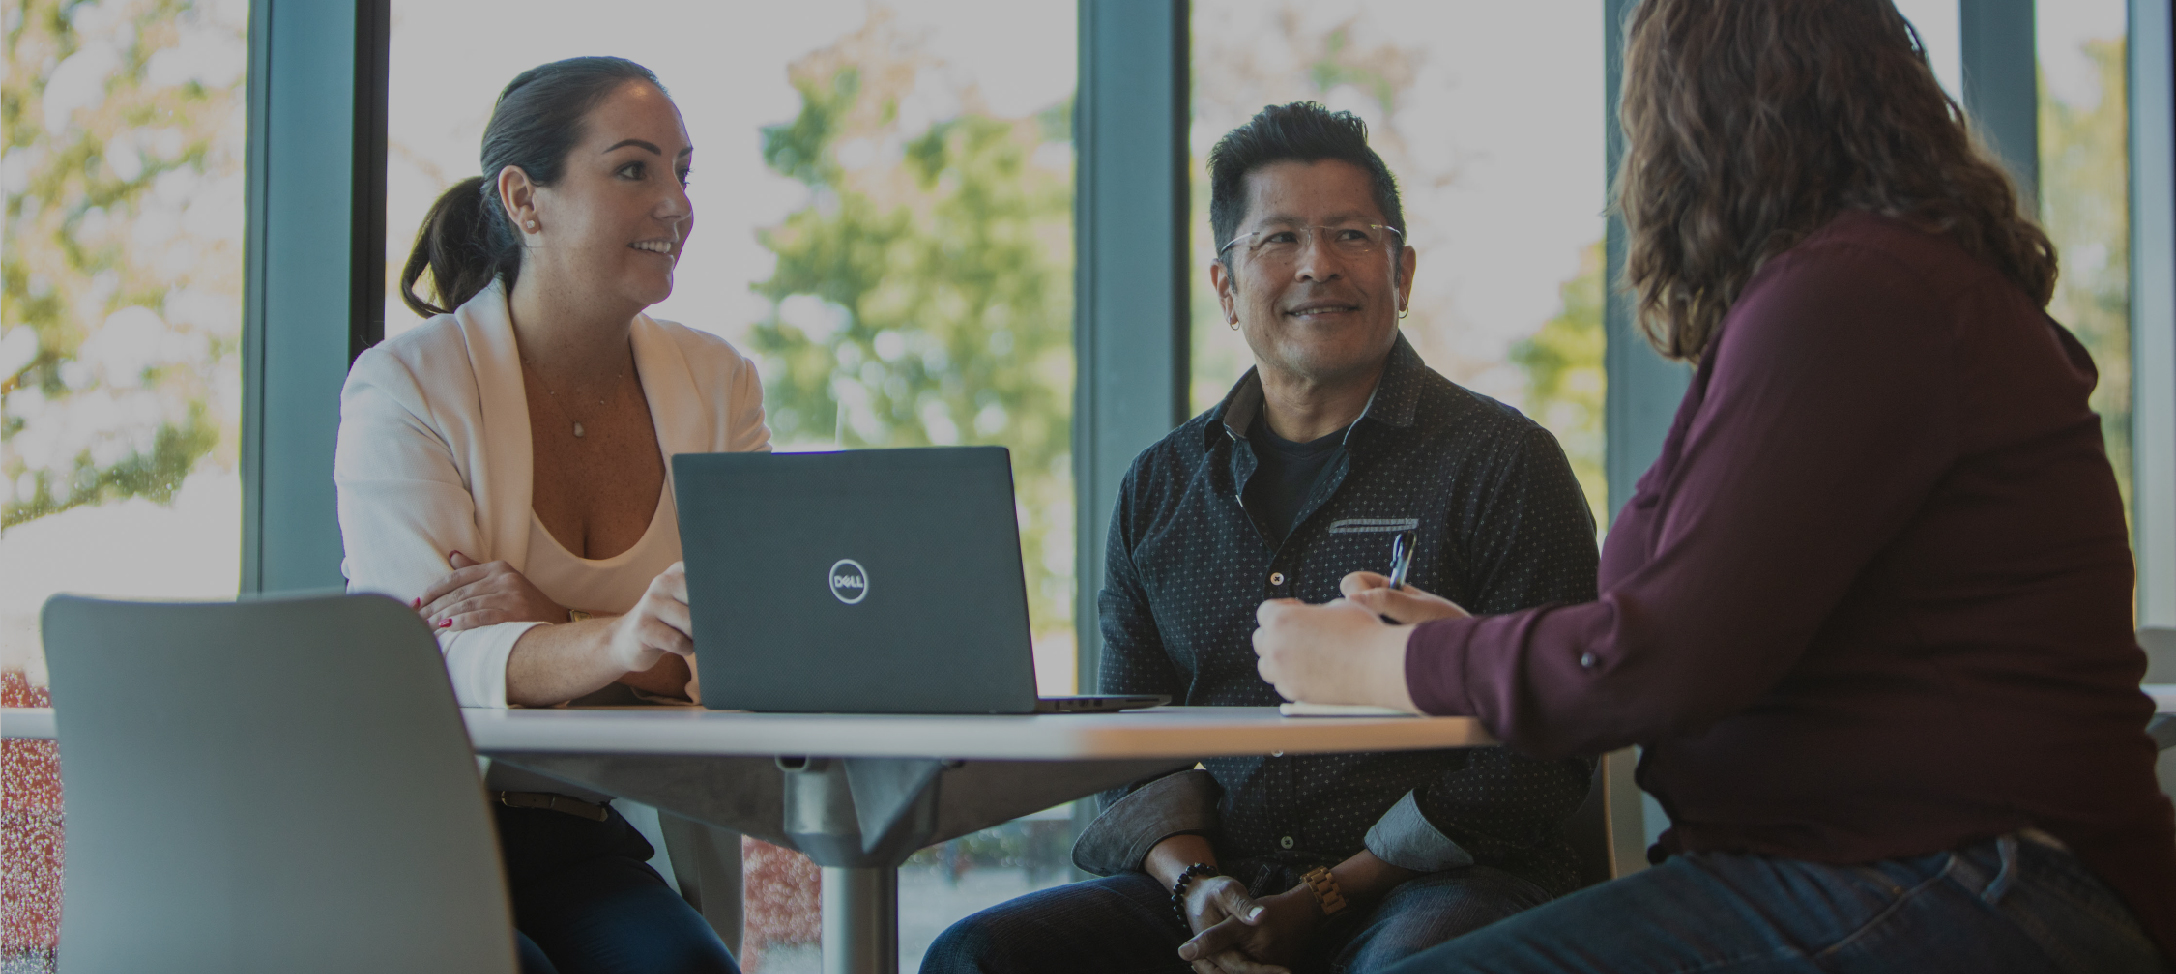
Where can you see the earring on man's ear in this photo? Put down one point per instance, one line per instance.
(1234, 322)
(1402, 312)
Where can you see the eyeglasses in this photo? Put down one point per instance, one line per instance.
(1283, 245)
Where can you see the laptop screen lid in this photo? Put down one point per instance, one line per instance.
(864, 581)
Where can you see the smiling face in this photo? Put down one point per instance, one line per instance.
(1320, 316)
(611, 230)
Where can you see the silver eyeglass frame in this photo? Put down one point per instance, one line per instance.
(1308, 232)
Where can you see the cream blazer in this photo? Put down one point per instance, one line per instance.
(434, 455)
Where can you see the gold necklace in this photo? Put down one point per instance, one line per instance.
(618, 379)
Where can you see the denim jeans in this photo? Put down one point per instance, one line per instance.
(587, 902)
(1124, 924)
(1999, 906)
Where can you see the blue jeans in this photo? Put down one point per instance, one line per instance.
(587, 902)
(1124, 924)
(1999, 906)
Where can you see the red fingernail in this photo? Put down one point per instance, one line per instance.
(446, 624)
(417, 604)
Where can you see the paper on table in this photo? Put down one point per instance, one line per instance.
(1339, 710)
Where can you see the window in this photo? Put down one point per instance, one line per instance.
(2085, 197)
(883, 195)
(1490, 117)
(120, 364)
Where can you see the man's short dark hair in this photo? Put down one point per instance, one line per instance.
(1305, 131)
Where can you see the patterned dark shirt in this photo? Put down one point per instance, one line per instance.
(1501, 525)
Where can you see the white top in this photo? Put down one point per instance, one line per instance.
(434, 456)
(608, 586)
(605, 586)
(1163, 732)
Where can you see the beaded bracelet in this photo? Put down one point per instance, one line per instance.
(1199, 870)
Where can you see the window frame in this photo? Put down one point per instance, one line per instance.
(2153, 309)
(314, 273)
(1132, 327)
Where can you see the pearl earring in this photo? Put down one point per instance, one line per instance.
(532, 226)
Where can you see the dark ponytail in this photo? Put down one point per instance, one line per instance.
(467, 241)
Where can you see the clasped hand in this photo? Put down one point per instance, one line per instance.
(1237, 934)
(1341, 652)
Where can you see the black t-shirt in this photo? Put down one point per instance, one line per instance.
(1287, 476)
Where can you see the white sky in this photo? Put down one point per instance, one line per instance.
(2062, 26)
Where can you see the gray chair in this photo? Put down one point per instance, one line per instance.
(2160, 647)
(1606, 831)
(2162, 728)
(268, 786)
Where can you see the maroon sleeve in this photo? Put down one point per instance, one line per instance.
(1827, 415)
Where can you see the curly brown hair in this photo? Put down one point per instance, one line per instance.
(1749, 124)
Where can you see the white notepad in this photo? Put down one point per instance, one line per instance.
(1339, 710)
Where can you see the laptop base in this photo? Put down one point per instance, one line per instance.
(1098, 703)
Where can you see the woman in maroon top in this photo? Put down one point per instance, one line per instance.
(1869, 614)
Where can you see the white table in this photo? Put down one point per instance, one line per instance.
(858, 794)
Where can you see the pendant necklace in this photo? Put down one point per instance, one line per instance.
(579, 432)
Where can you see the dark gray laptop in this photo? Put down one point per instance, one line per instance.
(865, 581)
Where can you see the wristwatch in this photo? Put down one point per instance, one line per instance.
(577, 615)
(1324, 886)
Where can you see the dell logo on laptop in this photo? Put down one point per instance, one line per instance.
(849, 582)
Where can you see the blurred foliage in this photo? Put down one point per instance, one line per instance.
(923, 296)
(1567, 383)
(2085, 207)
(121, 259)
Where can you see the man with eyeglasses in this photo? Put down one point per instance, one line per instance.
(1339, 448)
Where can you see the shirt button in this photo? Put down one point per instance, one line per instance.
(1587, 661)
(1285, 842)
(1276, 578)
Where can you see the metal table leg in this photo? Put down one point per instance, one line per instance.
(858, 818)
(861, 920)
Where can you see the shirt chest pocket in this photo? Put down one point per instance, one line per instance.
(1364, 544)
(1374, 525)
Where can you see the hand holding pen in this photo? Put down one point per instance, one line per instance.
(1391, 597)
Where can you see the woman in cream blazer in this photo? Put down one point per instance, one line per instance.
(505, 468)
(434, 455)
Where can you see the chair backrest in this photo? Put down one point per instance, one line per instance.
(267, 786)
(1606, 830)
(2160, 647)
